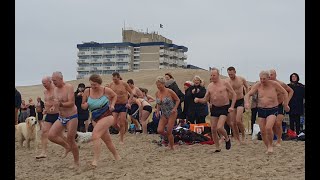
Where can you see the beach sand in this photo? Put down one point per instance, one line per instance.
(142, 159)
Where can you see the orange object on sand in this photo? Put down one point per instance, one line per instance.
(198, 128)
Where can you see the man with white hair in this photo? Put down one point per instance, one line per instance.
(68, 117)
(268, 91)
(277, 128)
(51, 116)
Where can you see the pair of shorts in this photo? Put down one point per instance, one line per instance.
(134, 108)
(65, 120)
(265, 112)
(239, 102)
(218, 111)
(118, 108)
(51, 118)
(281, 109)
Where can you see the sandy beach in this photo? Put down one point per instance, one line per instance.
(142, 159)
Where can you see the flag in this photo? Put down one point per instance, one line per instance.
(161, 26)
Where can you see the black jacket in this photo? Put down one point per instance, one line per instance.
(171, 84)
(296, 102)
(192, 109)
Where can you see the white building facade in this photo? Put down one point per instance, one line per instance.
(106, 58)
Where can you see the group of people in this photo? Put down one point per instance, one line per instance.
(225, 99)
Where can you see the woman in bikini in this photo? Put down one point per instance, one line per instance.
(100, 101)
(144, 111)
(168, 102)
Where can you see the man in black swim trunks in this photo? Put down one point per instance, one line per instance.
(218, 95)
(51, 116)
(239, 85)
(268, 91)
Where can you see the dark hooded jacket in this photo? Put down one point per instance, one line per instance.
(171, 84)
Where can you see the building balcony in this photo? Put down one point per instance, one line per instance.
(87, 68)
(83, 61)
(136, 62)
(96, 61)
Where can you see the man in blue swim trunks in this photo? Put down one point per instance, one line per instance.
(68, 117)
(119, 113)
(268, 91)
(51, 116)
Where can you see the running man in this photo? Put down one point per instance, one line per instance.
(268, 91)
(238, 84)
(122, 104)
(50, 116)
(277, 128)
(218, 95)
(64, 102)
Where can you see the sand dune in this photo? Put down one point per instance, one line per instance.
(144, 79)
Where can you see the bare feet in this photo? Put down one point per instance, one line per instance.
(278, 143)
(269, 150)
(121, 142)
(117, 157)
(74, 166)
(67, 150)
(41, 156)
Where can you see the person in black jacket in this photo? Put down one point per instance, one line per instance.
(171, 84)
(296, 102)
(83, 115)
(195, 112)
(39, 110)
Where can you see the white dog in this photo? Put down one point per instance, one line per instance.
(27, 131)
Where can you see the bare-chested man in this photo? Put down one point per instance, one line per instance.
(51, 116)
(120, 109)
(134, 110)
(218, 94)
(277, 128)
(268, 91)
(238, 84)
(68, 117)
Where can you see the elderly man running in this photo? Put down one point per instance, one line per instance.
(68, 117)
(268, 91)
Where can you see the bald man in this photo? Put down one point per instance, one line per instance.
(51, 116)
(64, 102)
(277, 128)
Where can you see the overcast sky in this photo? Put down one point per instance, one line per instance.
(250, 35)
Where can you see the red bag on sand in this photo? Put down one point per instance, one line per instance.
(291, 134)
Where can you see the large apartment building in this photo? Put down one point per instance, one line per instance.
(137, 51)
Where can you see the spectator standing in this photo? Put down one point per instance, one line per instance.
(296, 102)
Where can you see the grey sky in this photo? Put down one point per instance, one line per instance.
(250, 35)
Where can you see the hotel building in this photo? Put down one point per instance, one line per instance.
(137, 51)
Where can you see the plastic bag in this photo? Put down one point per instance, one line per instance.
(256, 130)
